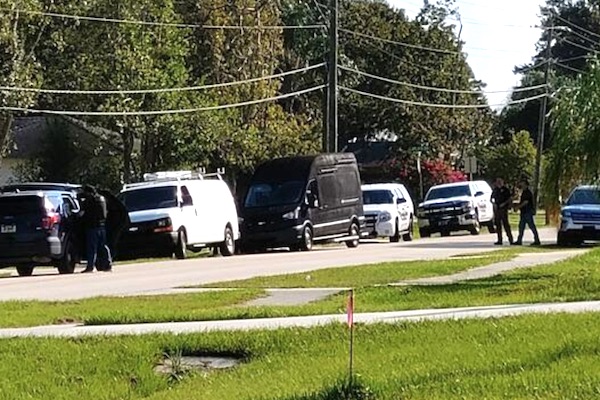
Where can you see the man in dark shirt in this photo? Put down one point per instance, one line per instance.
(94, 221)
(502, 199)
(527, 208)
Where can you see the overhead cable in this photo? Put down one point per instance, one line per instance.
(436, 105)
(569, 68)
(403, 44)
(163, 112)
(160, 24)
(580, 46)
(166, 90)
(440, 89)
(574, 25)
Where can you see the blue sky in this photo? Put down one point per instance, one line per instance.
(498, 34)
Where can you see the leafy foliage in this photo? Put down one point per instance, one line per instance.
(511, 161)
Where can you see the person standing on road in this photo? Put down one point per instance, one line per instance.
(95, 213)
(527, 208)
(502, 198)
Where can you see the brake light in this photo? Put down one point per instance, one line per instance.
(50, 221)
(163, 229)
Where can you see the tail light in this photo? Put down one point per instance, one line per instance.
(50, 221)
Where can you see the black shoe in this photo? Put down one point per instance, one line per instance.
(517, 243)
(498, 244)
(536, 244)
(87, 271)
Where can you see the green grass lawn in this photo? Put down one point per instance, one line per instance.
(529, 357)
(366, 275)
(140, 309)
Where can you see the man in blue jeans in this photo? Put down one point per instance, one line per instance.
(527, 208)
(94, 216)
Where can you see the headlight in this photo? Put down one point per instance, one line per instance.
(164, 222)
(566, 214)
(385, 217)
(292, 215)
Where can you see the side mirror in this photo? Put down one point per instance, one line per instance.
(312, 200)
(401, 201)
(479, 194)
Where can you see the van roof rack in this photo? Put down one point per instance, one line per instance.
(174, 176)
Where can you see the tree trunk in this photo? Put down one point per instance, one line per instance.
(6, 120)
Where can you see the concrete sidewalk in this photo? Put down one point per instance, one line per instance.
(526, 260)
(301, 322)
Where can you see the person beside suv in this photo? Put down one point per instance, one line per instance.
(94, 216)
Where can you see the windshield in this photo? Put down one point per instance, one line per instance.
(150, 198)
(447, 192)
(378, 197)
(274, 194)
(585, 196)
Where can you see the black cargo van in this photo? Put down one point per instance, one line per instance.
(297, 201)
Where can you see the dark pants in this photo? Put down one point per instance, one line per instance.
(501, 220)
(527, 219)
(97, 249)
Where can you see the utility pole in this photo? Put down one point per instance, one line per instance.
(330, 143)
(542, 118)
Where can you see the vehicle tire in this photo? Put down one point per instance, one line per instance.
(25, 270)
(396, 237)
(408, 236)
(445, 233)
(307, 240)
(228, 245)
(181, 248)
(424, 233)
(476, 228)
(561, 240)
(354, 231)
(66, 265)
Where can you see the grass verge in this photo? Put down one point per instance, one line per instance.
(365, 275)
(124, 309)
(512, 358)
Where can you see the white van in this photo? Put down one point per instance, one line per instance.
(172, 212)
(389, 211)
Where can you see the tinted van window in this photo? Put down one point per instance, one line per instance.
(150, 198)
(275, 194)
(21, 205)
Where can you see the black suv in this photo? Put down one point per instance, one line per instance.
(39, 228)
(40, 225)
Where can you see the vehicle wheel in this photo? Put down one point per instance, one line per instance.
(306, 243)
(228, 245)
(445, 233)
(25, 270)
(354, 231)
(408, 237)
(66, 265)
(476, 228)
(396, 237)
(424, 233)
(181, 249)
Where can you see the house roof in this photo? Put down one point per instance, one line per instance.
(27, 136)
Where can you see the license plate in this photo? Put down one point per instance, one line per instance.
(443, 223)
(8, 229)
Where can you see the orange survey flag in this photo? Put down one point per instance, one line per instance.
(350, 309)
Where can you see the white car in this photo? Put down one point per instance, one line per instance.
(172, 212)
(389, 211)
(455, 207)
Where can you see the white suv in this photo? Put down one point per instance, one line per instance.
(172, 212)
(389, 211)
(456, 207)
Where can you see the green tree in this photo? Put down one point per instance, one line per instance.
(511, 161)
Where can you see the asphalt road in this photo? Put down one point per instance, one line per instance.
(157, 277)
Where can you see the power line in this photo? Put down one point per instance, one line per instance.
(435, 105)
(164, 112)
(439, 89)
(574, 25)
(166, 90)
(581, 36)
(585, 56)
(578, 45)
(161, 24)
(403, 44)
(570, 68)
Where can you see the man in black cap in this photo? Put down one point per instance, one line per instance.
(502, 198)
(527, 208)
(94, 214)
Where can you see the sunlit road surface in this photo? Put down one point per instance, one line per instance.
(145, 278)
